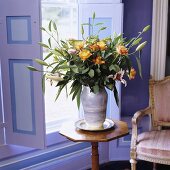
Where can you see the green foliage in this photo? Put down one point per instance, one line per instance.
(32, 68)
(93, 62)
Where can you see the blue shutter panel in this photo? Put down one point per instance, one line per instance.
(22, 94)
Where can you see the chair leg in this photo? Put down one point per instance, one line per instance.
(154, 166)
(133, 164)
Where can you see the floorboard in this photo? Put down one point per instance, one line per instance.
(125, 165)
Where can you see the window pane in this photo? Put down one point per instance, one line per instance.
(65, 16)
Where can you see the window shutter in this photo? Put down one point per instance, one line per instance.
(22, 92)
(1, 113)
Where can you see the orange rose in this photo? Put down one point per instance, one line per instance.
(94, 47)
(79, 45)
(98, 60)
(132, 73)
(84, 54)
(122, 50)
(102, 45)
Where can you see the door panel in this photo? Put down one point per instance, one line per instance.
(22, 93)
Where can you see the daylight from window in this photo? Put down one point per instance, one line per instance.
(65, 16)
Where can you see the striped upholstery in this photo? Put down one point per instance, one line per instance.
(161, 100)
(155, 144)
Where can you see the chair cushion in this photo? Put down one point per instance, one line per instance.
(161, 104)
(155, 144)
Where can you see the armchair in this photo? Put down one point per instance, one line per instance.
(154, 145)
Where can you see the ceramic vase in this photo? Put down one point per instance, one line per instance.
(94, 106)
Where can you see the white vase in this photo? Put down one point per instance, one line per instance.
(94, 106)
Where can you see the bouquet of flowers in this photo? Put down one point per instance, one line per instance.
(93, 62)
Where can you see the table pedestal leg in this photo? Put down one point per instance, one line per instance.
(95, 156)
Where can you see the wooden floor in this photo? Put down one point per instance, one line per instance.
(125, 165)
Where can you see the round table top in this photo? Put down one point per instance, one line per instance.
(70, 131)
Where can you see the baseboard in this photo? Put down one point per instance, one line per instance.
(79, 160)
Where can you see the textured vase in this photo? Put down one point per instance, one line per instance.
(94, 106)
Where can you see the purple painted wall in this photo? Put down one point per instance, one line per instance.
(137, 14)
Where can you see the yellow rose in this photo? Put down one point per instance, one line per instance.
(102, 45)
(132, 73)
(84, 54)
(94, 47)
(122, 50)
(98, 60)
(79, 45)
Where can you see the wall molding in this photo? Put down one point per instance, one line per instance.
(99, 1)
(159, 38)
(54, 156)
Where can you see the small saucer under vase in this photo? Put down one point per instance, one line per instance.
(81, 124)
(94, 106)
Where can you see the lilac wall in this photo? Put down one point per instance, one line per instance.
(137, 14)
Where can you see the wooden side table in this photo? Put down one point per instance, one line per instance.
(74, 134)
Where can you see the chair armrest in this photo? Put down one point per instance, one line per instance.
(137, 116)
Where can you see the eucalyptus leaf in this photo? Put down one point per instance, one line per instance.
(57, 67)
(54, 26)
(91, 73)
(100, 23)
(85, 70)
(75, 69)
(43, 45)
(32, 68)
(49, 25)
(43, 83)
(86, 24)
(49, 42)
(76, 91)
(114, 67)
(82, 30)
(74, 86)
(50, 54)
(110, 86)
(96, 89)
(57, 52)
(78, 97)
(103, 28)
(42, 28)
(94, 15)
(139, 65)
(59, 91)
(115, 92)
(107, 55)
(41, 62)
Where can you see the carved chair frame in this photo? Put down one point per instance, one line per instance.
(155, 125)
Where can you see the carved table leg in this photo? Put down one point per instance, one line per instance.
(95, 156)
